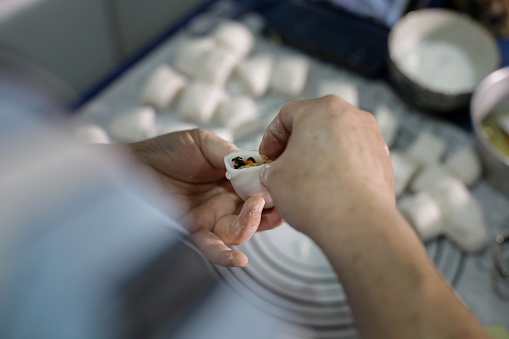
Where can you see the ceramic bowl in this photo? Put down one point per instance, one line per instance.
(437, 58)
(492, 95)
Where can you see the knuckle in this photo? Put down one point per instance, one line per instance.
(331, 99)
(332, 106)
(234, 239)
(204, 133)
(369, 118)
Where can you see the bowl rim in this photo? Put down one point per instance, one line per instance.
(453, 14)
(491, 79)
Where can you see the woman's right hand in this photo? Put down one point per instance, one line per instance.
(332, 179)
(330, 163)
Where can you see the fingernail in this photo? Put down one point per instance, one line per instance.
(264, 173)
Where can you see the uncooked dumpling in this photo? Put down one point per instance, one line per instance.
(92, 134)
(237, 112)
(465, 165)
(191, 53)
(216, 66)
(426, 149)
(290, 75)
(234, 36)
(135, 125)
(243, 170)
(161, 87)
(424, 214)
(255, 74)
(404, 169)
(200, 101)
(463, 219)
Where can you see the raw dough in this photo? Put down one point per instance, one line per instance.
(290, 75)
(465, 165)
(463, 219)
(215, 66)
(255, 74)
(92, 134)
(161, 87)
(427, 149)
(430, 175)
(404, 169)
(190, 55)
(234, 36)
(424, 214)
(135, 125)
(238, 111)
(200, 101)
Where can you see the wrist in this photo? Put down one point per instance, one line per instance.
(354, 223)
(377, 233)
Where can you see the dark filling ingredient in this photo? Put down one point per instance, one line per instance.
(238, 162)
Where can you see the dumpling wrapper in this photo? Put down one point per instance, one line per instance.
(463, 218)
(424, 214)
(234, 36)
(246, 181)
(404, 170)
(162, 87)
(466, 165)
(426, 149)
(191, 53)
(200, 101)
(255, 74)
(289, 75)
(237, 112)
(136, 125)
(429, 176)
(92, 134)
(216, 66)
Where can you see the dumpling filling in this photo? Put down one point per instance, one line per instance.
(239, 163)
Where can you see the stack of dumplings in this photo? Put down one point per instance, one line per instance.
(432, 193)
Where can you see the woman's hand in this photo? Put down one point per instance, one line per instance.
(330, 162)
(190, 168)
(332, 179)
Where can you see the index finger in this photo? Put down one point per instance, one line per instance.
(278, 132)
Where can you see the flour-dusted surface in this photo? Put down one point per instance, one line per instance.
(287, 274)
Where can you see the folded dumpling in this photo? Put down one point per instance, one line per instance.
(243, 169)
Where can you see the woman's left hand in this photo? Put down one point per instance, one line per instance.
(190, 167)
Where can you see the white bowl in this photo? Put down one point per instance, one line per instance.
(438, 57)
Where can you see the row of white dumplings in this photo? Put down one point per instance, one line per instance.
(203, 100)
(239, 116)
(209, 62)
(203, 104)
